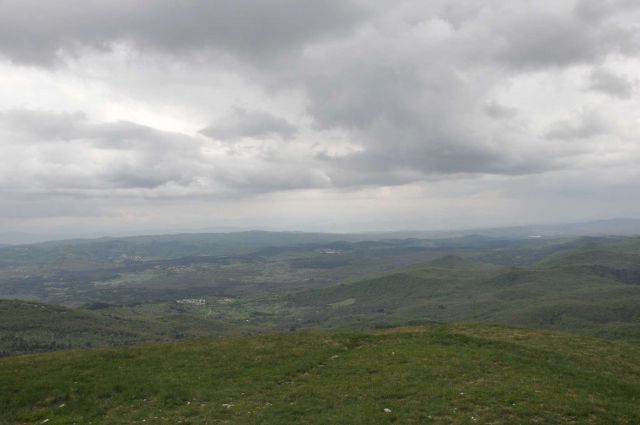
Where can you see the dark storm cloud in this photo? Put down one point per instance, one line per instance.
(35, 32)
(242, 123)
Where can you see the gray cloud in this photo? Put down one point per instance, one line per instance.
(585, 125)
(537, 39)
(542, 40)
(496, 110)
(368, 96)
(519, 34)
(36, 32)
(605, 81)
(594, 11)
(64, 152)
(82, 158)
(242, 123)
(43, 125)
(412, 90)
(412, 113)
(418, 107)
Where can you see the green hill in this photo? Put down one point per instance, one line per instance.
(590, 286)
(619, 253)
(27, 327)
(79, 254)
(460, 374)
(593, 290)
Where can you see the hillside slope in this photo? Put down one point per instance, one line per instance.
(593, 290)
(437, 374)
(27, 327)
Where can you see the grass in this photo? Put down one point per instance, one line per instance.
(461, 374)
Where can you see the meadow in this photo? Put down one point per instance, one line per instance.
(441, 374)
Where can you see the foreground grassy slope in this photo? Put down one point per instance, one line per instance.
(438, 374)
(27, 327)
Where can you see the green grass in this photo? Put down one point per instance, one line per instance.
(461, 374)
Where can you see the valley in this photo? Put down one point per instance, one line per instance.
(586, 285)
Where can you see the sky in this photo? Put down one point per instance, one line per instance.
(137, 116)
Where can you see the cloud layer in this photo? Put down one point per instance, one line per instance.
(136, 101)
(36, 33)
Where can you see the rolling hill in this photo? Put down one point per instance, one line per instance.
(594, 289)
(27, 327)
(352, 363)
(586, 285)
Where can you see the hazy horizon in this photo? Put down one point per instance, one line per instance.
(613, 226)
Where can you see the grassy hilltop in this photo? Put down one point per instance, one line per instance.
(439, 374)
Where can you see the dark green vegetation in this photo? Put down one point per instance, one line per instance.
(159, 289)
(28, 327)
(255, 282)
(438, 374)
(126, 271)
(165, 268)
(594, 289)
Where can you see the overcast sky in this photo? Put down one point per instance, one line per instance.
(334, 115)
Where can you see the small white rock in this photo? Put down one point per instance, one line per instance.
(387, 410)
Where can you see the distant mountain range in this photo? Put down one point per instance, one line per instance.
(612, 227)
